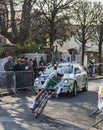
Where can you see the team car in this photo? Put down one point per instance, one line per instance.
(75, 78)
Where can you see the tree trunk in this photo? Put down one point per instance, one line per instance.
(83, 51)
(100, 58)
(25, 21)
(13, 23)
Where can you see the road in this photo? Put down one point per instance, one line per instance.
(64, 113)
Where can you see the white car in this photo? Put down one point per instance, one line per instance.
(75, 78)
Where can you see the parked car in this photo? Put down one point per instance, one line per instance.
(75, 78)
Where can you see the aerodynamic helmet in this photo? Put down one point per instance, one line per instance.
(60, 72)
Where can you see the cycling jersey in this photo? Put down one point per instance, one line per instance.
(91, 62)
(51, 81)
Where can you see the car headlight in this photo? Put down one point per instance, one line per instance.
(36, 82)
(67, 81)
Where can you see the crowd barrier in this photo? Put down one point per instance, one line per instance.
(11, 81)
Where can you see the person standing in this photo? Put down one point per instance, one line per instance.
(19, 73)
(26, 64)
(19, 65)
(30, 65)
(42, 64)
(91, 66)
(8, 67)
(35, 69)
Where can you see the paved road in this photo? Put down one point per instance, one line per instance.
(65, 113)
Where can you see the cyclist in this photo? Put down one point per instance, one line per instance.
(53, 80)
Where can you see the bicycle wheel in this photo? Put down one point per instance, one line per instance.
(41, 105)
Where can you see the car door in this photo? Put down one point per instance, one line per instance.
(78, 75)
(84, 75)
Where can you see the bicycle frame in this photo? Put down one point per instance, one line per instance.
(42, 103)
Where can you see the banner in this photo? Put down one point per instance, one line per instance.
(2, 71)
(2, 62)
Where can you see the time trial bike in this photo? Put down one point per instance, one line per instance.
(42, 102)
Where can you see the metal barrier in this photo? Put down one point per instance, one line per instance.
(11, 81)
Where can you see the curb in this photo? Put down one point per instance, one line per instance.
(95, 77)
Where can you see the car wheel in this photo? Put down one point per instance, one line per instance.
(74, 93)
(85, 87)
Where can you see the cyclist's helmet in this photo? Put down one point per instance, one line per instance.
(60, 72)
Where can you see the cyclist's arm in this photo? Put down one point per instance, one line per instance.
(48, 80)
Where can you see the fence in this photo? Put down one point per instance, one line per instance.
(13, 81)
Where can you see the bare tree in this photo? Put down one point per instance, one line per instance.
(13, 22)
(18, 27)
(54, 14)
(25, 20)
(85, 15)
(3, 17)
(98, 34)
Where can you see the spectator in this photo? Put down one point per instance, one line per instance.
(42, 64)
(19, 68)
(26, 64)
(35, 69)
(8, 66)
(30, 75)
(30, 64)
(28, 67)
(91, 65)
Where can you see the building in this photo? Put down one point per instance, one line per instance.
(74, 49)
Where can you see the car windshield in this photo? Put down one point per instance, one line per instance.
(48, 70)
(66, 69)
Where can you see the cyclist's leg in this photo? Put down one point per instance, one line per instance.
(39, 94)
(45, 85)
(34, 104)
(41, 104)
(57, 90)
